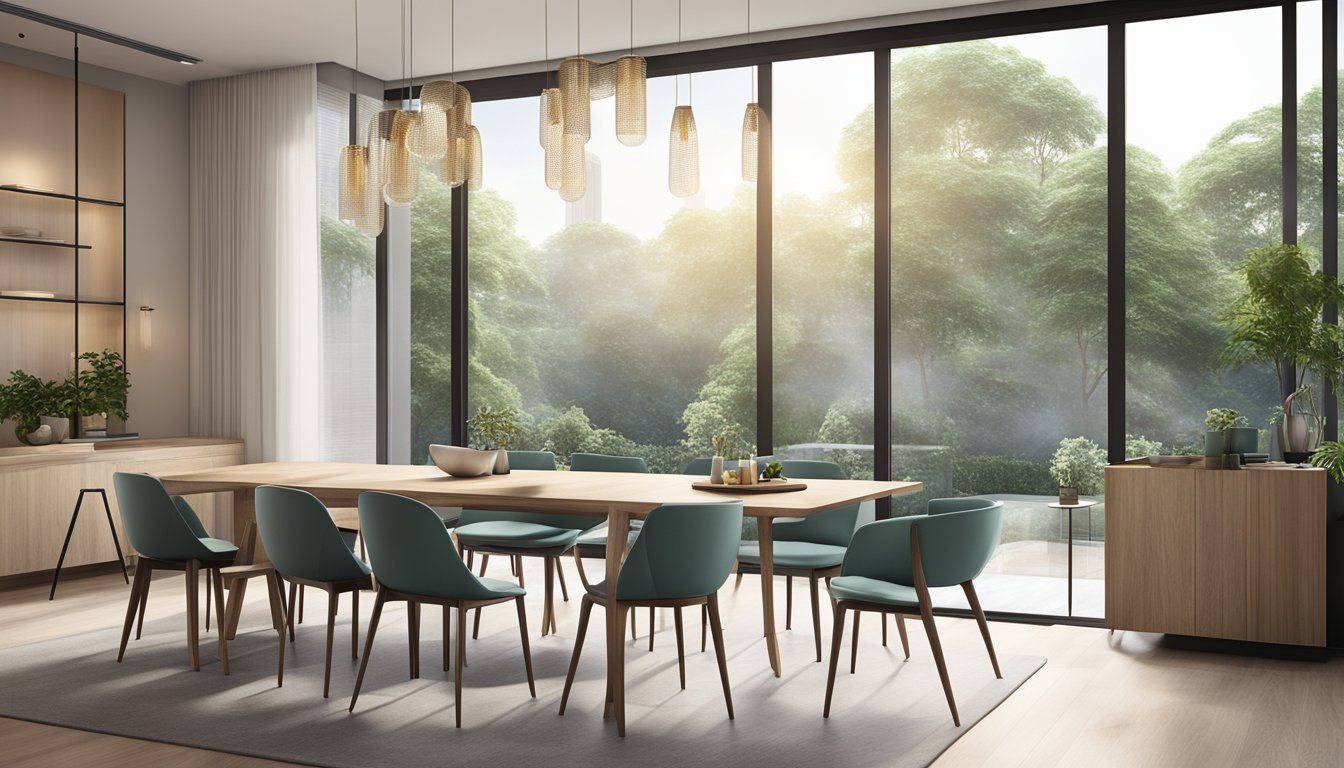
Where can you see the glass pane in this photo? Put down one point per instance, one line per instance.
(823, 260)
(624, 322)
(348, 352)
(431, 315)
(999, 299)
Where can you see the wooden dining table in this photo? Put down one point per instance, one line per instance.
(617, 496)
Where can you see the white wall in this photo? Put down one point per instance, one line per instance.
(156, 237)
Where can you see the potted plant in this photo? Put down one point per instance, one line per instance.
(32, 403)
(496, 429)
(1079, 467)
(1330, 457)
(1226, 436)
(101, 389)
(1277, 320)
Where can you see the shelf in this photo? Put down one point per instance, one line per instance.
(48, 243)
(65, 300)
(59, 195)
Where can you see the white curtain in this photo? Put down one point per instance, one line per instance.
(255, 262)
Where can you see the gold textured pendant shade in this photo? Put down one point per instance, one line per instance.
(683, 163)
(550, 132)
(354, 171)
(403, 176)
(370, 221)
(473, 159)
(751, 141)
(573, 168)
(575, 84)
(601, 81)
(631, 100)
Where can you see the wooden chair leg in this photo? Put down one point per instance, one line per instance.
(560, 572)
(413, 637)
(193, 573)
(837, 635)
(447, 635)
(471, 558)
(854, 642)
(457, 665)
(816, 613)
(301, 593)
(584, 612)
(547, 597)
(974, 600)
(527, 650)
(681, 648)
(518, 570)
(144, 598)
(704, 625)
(618, 685)
(378, 602)
(650, 629)
(716, 628)
(278, 622)
(293, 596)
(788, 602)
(138, 587)
(883, 617)
(209, 587)
(738, 582)
(217, 583)
(332, 599)
(931, 629)
(476, 624)
(578, 565)
(354, 623)
(905, 639)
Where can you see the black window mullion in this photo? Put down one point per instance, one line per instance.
(1115, 242)
(458, 334)
(765, 343)
(882, 273)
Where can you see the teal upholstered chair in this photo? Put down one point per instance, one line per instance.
(168, 535)
(306, 549)
(682, 557)
(523, 534)
(813, 546)
(593, 543)
(416, 562)
(891, 564)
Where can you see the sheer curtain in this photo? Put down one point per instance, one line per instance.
(255, 262)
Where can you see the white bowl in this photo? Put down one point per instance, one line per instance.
(462, 462)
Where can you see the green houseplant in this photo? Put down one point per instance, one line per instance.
(29, 400)
(1330, 457)
(496, 429)
(101, 388)
(1079, 466)
(1276, 320)
(1227, 434)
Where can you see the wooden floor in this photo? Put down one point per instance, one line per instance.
(1103, 699)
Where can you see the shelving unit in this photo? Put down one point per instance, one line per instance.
(62, 172)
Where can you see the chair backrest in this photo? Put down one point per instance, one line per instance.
(954, 545)
(698, 466)
(684, 550)
(411, 550)
(542, 460)
(300, 537)
(598, 462)
(834, 526)
(158, 526)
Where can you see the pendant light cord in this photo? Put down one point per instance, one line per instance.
(755, 67)
(546, 45)
(578, 27)
(403, 40)
(632, 27)
(354, 74)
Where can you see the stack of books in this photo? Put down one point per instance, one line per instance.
(1255, 458)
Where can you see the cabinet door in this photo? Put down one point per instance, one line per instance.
(1150, 549)
(1220, 553)
(1286, 563)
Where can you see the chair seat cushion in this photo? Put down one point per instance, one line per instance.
(515, 534)
(220, 549)
(502, 587)
(794, 554)
(869, 590)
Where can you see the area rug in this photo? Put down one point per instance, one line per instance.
(891, 713)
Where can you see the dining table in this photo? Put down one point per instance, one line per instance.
(616, 496)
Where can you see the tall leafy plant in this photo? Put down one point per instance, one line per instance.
(102, 385)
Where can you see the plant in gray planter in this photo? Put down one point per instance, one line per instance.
(496, 429)
(32, 403)
(1079, 466)
(101, 388)
(1226, 435)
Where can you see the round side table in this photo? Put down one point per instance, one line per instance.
(1068, 511)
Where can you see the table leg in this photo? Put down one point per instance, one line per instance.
(618, 530)
(1069, 512)
(767, 548)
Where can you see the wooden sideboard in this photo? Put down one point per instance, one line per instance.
(1232, 554)
(39, 487)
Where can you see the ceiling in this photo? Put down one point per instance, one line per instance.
(248, 35)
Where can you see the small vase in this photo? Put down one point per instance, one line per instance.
(502, 462)
(716, 469)
(60, 427)
(1068, 494)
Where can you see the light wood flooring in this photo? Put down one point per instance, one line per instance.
(1103, 699)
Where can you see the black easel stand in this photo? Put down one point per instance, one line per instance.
(74, 517)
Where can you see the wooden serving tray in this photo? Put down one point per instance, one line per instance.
(762, 486)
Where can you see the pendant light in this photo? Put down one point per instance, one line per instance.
(371, 219)
(683, 162)
(751, 122)
(447, 104)
(403, 176)
(354, 161)
(631, 93)
(550, 120)
(575, 76)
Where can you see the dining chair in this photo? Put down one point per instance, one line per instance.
(417, 563)
(347, 522)
(523, 534)
(307, 549)
(891, 564)
(811, 547)
(682, 557)
(168, 536)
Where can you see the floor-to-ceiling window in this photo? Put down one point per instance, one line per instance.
(348, 323)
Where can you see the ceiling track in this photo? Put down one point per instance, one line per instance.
(98, 34)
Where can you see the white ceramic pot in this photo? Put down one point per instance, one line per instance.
(60, 427)
(501, 462)
(463, 462)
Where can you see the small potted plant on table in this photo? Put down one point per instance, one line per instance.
(101, 390)
(1079, 467)
(496, 429)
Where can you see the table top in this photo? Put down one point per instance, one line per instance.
(587, 493)
(1079, 505)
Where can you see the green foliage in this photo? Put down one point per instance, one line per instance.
(1330, 456)
(570, 432)
(1081, 463)
(103, 385)
(1223, 419)
(1138, 445)
(976, 475)
(772, 471)
(26, 398)
(495, 428)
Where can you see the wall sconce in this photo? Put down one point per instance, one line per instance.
(146, 327)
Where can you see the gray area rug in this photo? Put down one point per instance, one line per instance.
(892, 713)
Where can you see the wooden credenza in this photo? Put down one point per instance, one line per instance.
(1234, 554)
(39, 487)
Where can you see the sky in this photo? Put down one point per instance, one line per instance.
(1187, 78)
